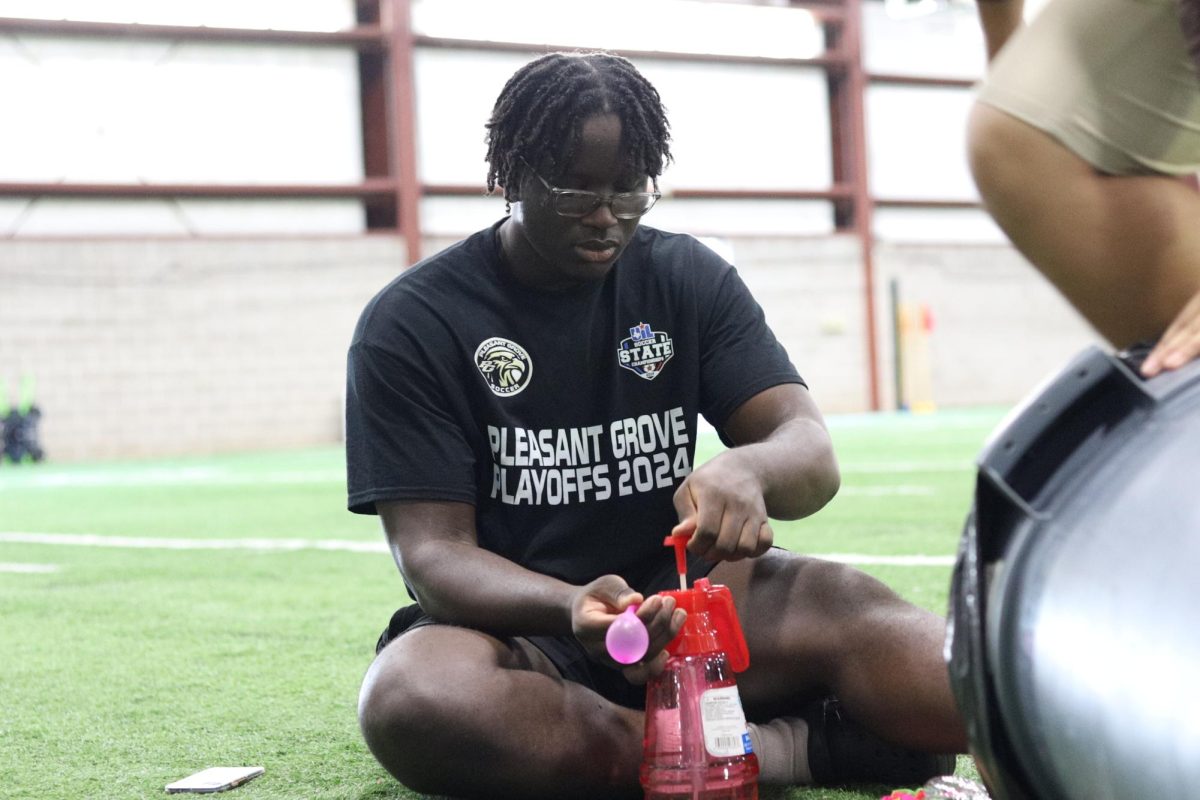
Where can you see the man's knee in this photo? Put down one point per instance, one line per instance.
(824, 598)
(842, 592)
(398, 710)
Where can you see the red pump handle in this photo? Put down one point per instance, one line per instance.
(679, 542)
(717, 601)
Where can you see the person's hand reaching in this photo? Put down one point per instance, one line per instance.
(1179, 345)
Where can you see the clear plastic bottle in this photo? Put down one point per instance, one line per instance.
(697, 746)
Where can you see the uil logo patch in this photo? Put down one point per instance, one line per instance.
(645, 352)
(504, 365)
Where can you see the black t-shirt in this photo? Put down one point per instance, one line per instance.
(568, 419)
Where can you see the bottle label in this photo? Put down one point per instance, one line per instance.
(725, 732)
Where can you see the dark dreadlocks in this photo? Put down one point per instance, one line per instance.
(539, 112)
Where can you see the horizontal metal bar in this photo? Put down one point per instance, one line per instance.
(385, 188)
(916, 202)
(372, 188)
(921, 80)
(830, 59)
(837, 192)
(362, 37)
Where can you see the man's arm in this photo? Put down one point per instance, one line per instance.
(458, 582)
(1000, 19)
(782, 466)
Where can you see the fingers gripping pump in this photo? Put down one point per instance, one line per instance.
(697, 745)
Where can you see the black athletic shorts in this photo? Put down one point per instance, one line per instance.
(565, 652)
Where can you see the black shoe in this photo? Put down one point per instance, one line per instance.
(842, 751)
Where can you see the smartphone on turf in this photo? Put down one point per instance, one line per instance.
(215, 779)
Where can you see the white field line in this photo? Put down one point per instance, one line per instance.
(204, 476)
(885, 467)
(27, 568)
(156, 543)
(860, 559)
(292, 545)
(886, 491)
(188, 476)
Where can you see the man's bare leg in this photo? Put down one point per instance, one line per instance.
(454, 711)
(816, 628)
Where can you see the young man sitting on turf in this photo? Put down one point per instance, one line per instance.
(522, 414)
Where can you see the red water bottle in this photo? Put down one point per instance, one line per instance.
(697, 746)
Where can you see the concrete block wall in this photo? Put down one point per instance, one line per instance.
(999, 328)
(811, 293)
(160, 347)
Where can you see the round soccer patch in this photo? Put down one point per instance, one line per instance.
(504, 365)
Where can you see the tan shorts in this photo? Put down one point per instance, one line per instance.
(1110, 79)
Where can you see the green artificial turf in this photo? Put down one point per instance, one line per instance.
(127, 668)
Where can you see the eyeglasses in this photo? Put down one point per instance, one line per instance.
(578, 203)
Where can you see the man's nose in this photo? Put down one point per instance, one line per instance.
(601, 217)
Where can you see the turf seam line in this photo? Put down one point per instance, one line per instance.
(11, 566)
(346, 545)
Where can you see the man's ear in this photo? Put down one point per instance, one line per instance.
(513, 193)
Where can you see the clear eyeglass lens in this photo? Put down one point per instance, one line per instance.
(633, 205)
(575, 204)
(580, 204)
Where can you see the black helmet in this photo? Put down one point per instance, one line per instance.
(1074, 638)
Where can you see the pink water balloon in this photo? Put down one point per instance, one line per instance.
(627, 638)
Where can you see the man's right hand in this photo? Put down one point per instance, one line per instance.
(598, 604)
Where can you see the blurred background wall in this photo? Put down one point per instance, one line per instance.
(191, 220)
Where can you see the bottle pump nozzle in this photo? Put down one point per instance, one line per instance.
(679, 542)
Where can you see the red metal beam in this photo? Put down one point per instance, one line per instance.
(370, 189)
(921, 80)
(916, 202)
(396, 18)
(373, 113)
(836, 192)
(385, 188)
(849, 131)
(363, 37)
(828, 60)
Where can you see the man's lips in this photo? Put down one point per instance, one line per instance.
(597, 250)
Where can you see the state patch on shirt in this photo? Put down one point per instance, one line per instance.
(645, 352)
